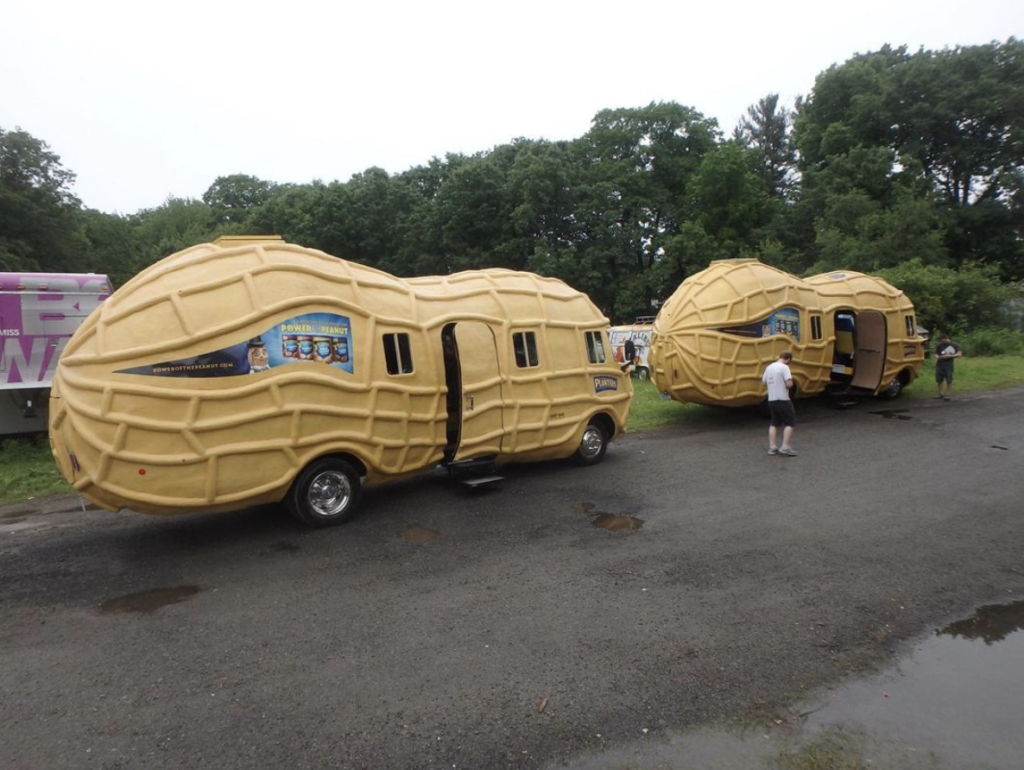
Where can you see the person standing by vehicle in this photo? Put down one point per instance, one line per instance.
(779, 380)
(946, 352)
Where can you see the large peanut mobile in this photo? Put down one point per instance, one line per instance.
(847, 331)
(254, 371)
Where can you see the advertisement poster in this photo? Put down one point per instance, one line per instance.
(314, 338)
(785, 320)
(38, 314)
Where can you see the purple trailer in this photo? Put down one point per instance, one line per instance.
(38, 314)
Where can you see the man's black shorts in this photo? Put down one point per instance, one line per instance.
(782, 412)
(944, 374)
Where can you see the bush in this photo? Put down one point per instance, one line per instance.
(954, 300)
(992, 342)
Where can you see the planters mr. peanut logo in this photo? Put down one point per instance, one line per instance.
(604, 383)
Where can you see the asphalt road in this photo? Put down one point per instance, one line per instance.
(501, 627)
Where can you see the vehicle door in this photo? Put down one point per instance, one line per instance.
(481, 428)
(869, 356)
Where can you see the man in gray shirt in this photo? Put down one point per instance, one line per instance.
(779, 380)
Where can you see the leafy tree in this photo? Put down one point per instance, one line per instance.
(232, 198)
(176, 225)
(960, 114)
(952, 300)
(110, 246)
(945, 127)
(766, 128)
(728, 199)
(289, 212)
(639, 164)
(364, 219)
(38, 212)
(474, 208)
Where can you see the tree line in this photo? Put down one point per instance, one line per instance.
(908, 165)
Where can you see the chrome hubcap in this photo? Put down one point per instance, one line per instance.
(330, 493)
(590, 446)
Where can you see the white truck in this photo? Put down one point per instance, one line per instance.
(631, 344)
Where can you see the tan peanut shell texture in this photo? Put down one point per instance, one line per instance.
(716, 334)
(209, 380)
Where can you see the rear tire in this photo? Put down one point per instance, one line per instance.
(593, 445)
(643, 373)
(325, 493)
(893, 390)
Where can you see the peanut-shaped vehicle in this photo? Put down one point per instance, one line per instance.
(251, 371)
(847, 331)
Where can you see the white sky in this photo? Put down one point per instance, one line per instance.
(146, 100)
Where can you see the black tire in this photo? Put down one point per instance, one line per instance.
(893, 390)
(593, 444)
(326, 493)
(643, 373)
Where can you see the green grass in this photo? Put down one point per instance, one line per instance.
(27, 468)
(834, 749)
(651, 411)
(972, 375)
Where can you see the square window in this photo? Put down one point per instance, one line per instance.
(524, 344)
(397, 353)
(595, 347)
(816, 327)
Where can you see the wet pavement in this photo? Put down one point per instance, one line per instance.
(856, 606)
(954, 700)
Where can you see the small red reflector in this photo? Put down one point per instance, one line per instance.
(142, 471)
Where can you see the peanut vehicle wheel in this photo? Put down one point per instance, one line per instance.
(325, 493)
(893, 389)
(592, 446)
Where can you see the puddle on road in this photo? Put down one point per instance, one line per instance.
(957, 695)
(991, 623)
(894, 414)
(414, 533)
(146, 602)
(616, 523)
(952, 703)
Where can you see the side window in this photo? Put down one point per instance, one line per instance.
(911, 326)
(595, 347)
(397, 354)
(816, 327)
(525, 346)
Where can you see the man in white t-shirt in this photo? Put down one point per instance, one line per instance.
(779, 380)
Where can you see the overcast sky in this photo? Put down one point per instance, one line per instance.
(147, 100)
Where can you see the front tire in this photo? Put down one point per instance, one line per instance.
(643, 373)
(326, 493)
(593, 445)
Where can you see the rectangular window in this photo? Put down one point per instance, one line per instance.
(397, 354)
(815, 327)
(595, 347)
(911, 326)
(525, 346)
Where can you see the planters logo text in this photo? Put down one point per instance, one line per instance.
(603, 383)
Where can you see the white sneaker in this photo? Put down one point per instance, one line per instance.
(788, 451)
